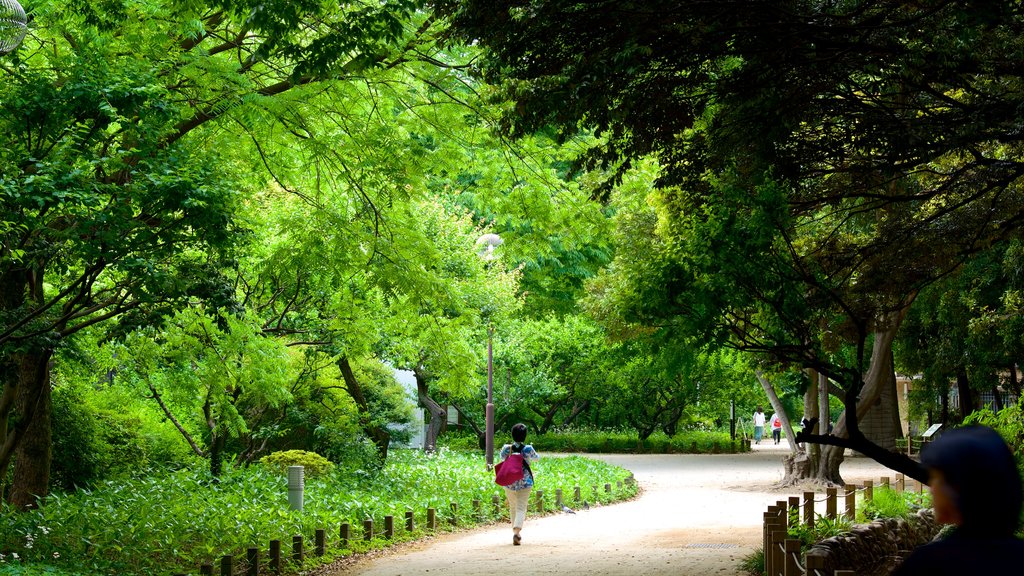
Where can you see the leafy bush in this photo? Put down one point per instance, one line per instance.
(823, 529)
(753, 563)
(888, 503)
(175, 521)
(610, 441)
(313, 463)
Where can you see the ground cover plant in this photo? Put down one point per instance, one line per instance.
(889, 503)
(613, 442)
(175, 522)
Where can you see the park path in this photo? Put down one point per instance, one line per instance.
(698, 514)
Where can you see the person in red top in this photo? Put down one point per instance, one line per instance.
(776, 425)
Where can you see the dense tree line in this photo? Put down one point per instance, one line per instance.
(226, 224)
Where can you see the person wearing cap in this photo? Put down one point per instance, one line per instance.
(975, 486)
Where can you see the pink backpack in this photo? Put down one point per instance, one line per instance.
(510, 470)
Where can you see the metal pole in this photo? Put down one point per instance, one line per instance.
(489, 412)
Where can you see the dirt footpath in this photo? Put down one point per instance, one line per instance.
(698, 514)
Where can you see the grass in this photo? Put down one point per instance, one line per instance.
(175, 522)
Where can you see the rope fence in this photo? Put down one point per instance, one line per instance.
(782, 554)
(252, 563)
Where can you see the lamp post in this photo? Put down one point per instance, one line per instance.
(485, 249)
(13, 25)
(489, 409)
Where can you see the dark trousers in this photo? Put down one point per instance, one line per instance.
(777, 434)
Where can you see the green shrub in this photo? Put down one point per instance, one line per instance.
(823, 529)
(174, 521)
(313, 463)
(609, 441)
(888, 503)
(753, 563)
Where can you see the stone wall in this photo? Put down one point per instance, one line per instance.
(876, 549)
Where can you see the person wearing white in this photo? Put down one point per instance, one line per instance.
(776, 426)
(518, 494)
(758, 424)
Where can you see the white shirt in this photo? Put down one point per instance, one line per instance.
(759, 419)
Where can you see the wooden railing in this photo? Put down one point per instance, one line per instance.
(782, 556)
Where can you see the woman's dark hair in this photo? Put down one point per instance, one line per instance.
(519, 432)
(978, 465)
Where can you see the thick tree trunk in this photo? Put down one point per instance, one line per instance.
(380, 437)
(846, 433)
(1014, 383)
(811, 414)
(437, 414)
(963, 388)
(32, 455)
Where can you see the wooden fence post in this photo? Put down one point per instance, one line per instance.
(206, 570)
(252, 560)
(809, 509)
(778, 539)
(851, 501)
(275, 556)
(869, 490)
(478, 510)
(791, 548)
(558, 498)
(693, 447)
(368, 529)
(297, 552)
(320, 540)
(345, 532)
(454, 519)
(389, 526)
(496, 501)
(901, 482)
(410, 521)
(793, 514)
(227, 565)
(767, 527)
(431, 519)
(885, 482)
(830, 503)
(540, 501)
(814, 564)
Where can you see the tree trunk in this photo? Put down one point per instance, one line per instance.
(811, 413)
(846, 433)
(379, 435)
(963, 387)
(32, 455)
(437, 414)
(773, 398)
(944, 404)
(1014, 383)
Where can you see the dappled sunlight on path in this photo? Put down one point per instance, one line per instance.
(698, 514)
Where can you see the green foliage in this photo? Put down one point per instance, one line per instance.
(888, 503)
(753, 563)
(173, 522)
(822, 529)
(313, 463)
(611, 442)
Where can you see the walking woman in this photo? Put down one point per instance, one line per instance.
(518, 493)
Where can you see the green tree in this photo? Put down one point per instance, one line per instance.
(822, 162)
(115, 189)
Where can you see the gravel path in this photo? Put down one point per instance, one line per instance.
(698, 514)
